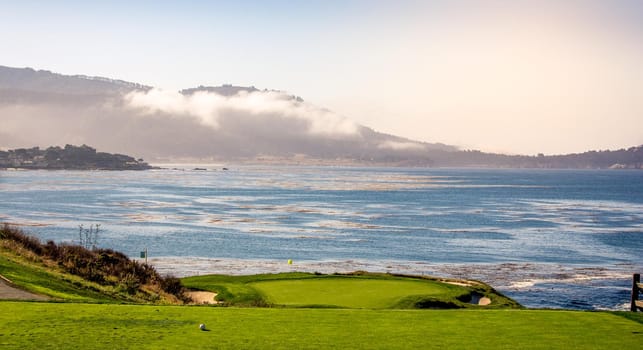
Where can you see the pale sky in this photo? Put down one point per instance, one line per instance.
(512, 76)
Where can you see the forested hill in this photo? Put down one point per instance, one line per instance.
(631, 158)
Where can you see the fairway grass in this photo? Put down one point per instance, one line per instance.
(32, 325)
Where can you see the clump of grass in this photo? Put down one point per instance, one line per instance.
(102, 266)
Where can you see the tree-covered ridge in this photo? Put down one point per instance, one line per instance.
(70, 157)
(631, 158)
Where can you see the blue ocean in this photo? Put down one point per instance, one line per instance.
(547, 238)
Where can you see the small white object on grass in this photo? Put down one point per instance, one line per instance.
(202, 326)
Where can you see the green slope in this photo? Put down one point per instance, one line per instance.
(74, 273)
(37, 279)
(32, 275)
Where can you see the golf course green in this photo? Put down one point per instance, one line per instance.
(359, 290)
(343, 292)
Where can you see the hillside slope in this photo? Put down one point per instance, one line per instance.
(225, 123)
(74, 273)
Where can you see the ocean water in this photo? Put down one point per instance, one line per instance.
(548, 238)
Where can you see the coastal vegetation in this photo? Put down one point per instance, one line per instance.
(72, 272)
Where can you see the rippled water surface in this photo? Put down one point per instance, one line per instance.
(547, 238)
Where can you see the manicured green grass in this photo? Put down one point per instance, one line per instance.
(358, 290)
(26, 325)
(350, 292)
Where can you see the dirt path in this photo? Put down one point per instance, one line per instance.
(9, 292)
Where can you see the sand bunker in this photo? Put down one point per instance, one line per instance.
(484, 301)
(462, 283)
(200, 297)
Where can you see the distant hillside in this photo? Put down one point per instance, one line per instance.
(631, 158)
(223, 90)
(224, 123)
(28, 79)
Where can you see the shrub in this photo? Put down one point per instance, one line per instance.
(172, 285)
(52, 251)
(16, 235)
(130, 284)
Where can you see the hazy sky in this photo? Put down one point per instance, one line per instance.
(512, 76)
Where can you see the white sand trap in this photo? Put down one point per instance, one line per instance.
(484, 301)
(199, 297)
(462, 283)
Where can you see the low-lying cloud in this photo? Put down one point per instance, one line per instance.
(218, 123)
(255, 108)
(402, 146)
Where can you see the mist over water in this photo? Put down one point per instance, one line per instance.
(547, 238)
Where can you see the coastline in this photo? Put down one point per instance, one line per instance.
(534, 285)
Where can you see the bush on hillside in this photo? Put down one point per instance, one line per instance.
(28, 242)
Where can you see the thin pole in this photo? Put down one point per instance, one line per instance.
(636, 279)
(145, 255)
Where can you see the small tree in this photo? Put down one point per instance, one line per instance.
(80, 235)
(88, 238)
